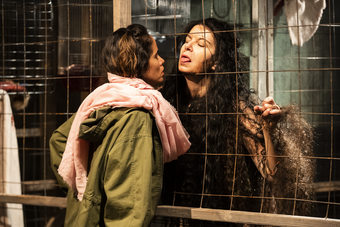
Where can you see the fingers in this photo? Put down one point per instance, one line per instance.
(270, 111)
(261, 109)
(258, 110)
(276, 111)
(267, 110)
(268, 107)
(268, 100)
(266, 113)
(269, 103)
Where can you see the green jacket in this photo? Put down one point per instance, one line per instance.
(125, 168)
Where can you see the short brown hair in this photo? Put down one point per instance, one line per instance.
(127, 51)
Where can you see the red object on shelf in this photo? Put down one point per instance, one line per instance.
(10, 86)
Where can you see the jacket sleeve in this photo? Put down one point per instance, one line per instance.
(57, 148)
(133, 174)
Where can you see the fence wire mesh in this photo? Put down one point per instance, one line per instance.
(51, 50)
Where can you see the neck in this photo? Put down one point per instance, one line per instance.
(197, 85)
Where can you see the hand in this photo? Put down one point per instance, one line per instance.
(268, 107)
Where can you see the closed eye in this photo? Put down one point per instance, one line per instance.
(202, 42)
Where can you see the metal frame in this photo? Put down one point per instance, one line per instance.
(262, 48)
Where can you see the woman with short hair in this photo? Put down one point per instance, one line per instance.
(109, 156)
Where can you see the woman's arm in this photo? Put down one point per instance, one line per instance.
(263, 157)
(269, 107)
(57, 147)
(293, 140)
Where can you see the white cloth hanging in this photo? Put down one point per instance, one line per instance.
(307, 15)
(11, 215)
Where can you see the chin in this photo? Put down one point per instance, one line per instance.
(158, 85)
(182, 68)
(185, 70)
(190, 71)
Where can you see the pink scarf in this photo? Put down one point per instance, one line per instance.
(121, 92)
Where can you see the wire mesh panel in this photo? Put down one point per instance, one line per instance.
(50, 61)
(292, 74)
(49, 55)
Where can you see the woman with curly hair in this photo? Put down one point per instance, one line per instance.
(243, 156)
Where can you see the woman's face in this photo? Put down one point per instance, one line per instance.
(154, 74)
(198, 48)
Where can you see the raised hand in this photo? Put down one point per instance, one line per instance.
(268, 108)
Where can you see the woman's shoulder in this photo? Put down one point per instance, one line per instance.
(100, 121)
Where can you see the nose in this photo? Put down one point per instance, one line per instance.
(188, 45)
(161, 60)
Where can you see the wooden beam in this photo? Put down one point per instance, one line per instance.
(34, 200)
(121, 13)
(193, 213)
(326, 186)
(40, 185)
(244, 217)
